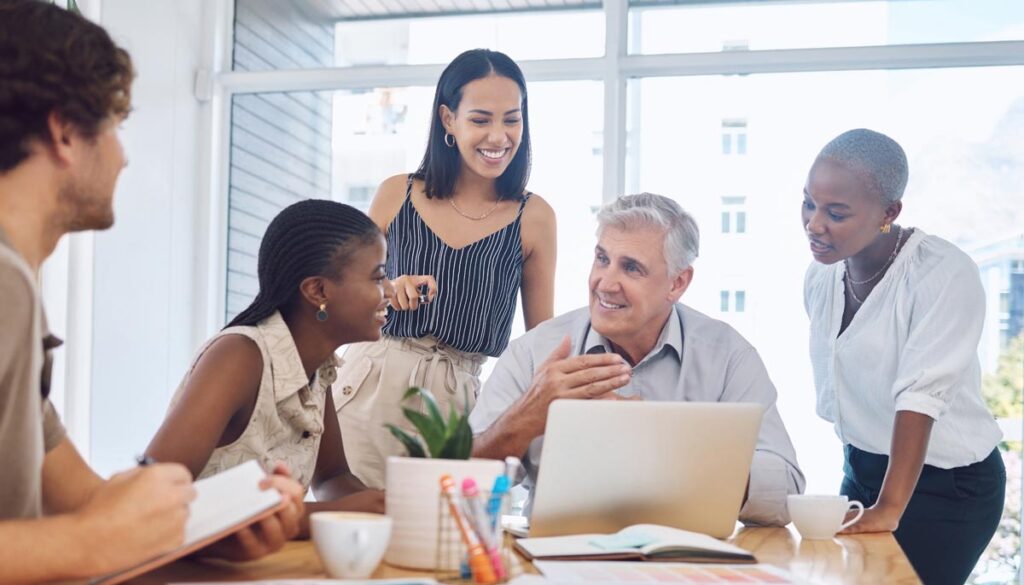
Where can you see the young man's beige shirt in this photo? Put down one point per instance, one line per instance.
(29, 426)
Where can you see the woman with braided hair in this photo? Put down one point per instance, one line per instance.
(465, 239)
(261, 387)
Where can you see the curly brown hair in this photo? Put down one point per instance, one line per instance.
(53, 60)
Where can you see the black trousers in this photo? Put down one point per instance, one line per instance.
(950, 518)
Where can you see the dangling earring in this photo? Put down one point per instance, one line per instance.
(450, 144)
(321, 315)
(886, 228)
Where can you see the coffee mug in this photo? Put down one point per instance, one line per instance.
(821, 517)
(350, 544)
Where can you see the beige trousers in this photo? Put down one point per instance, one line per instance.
(371, 382)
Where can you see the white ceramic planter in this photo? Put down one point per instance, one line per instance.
(412, 493)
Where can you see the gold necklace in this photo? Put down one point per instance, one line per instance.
(473, 217)
(895, 249)
(850, 281)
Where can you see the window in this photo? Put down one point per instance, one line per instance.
(340, 145)
(304, 34)
(739, 301)
(734, 217)
(701, 27)
(797, 114)
(360, 196)
(734, 136)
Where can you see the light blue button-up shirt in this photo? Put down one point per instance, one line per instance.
(696, 359)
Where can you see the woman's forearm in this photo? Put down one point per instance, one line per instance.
(908, 450)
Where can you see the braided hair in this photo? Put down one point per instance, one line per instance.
(314, 237)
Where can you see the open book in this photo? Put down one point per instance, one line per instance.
(644, 542)
(225, 503)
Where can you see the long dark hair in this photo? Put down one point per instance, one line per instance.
(314, 237)
(441, 165)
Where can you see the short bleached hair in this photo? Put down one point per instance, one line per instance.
(879, 158)
(682, 237)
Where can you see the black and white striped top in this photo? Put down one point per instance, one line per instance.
(476, 284)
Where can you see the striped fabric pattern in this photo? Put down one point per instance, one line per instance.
(476, 284)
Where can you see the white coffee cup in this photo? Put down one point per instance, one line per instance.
(821, 517)
(350, 544)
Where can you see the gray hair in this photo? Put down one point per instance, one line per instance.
(682, 237)
(876, 155)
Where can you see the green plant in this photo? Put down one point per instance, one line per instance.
(445, 439)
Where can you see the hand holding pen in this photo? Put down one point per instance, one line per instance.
(411, 291)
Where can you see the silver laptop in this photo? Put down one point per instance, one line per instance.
(606, 465)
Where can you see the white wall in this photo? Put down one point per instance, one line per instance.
(149, 268)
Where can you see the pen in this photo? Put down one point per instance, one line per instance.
(483, 573)
(479, 517)
(501, 486)
(512, 465)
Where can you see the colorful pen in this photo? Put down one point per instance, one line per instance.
(479, 517)
(483, 572)
(501, 486)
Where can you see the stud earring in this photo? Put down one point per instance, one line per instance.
(321, 315)
(449, 144)
(886, 228)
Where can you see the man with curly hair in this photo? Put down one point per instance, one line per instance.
(64, 89)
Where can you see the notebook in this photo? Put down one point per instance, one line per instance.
(626, 573)
(644, 542)
(225, 503)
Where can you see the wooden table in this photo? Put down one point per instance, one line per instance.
(868, 559)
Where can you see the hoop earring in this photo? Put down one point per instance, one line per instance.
(886, 228)
(449, 144)
(321, 315)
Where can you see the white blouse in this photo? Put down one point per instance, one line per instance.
(912, 346)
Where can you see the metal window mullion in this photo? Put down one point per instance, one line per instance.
(334, 78)
(616, 17)
(616, 65)
(218, 57)
(923, 56)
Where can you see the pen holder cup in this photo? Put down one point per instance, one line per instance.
(458, 526)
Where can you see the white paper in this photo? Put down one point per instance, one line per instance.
(226, 499)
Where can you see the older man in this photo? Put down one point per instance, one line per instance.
(636, 341)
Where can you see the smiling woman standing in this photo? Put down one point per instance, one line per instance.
(464, 238)
(896, 315)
